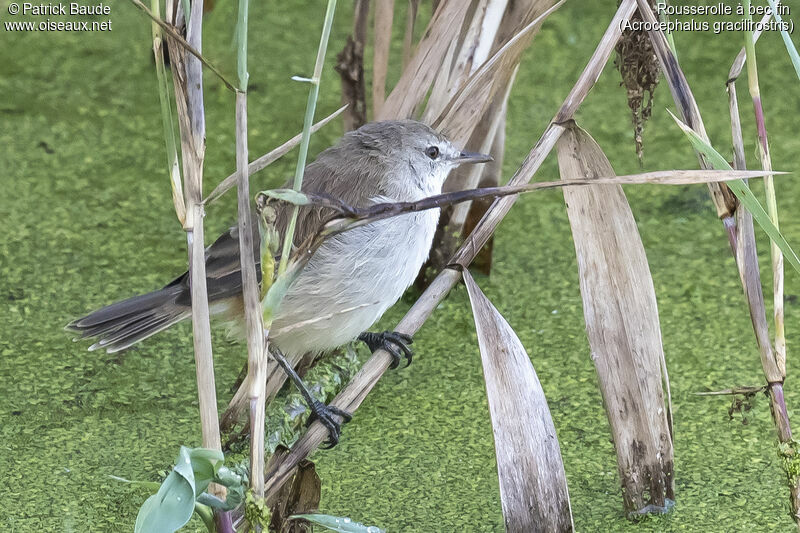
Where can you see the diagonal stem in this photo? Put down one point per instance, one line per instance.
(355, 392)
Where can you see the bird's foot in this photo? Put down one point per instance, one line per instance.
(325, 414)
(391, 341)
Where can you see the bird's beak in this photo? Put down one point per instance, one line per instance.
(471, 157)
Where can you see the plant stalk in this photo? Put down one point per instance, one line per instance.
(256, 363)
(188, 83)
(769, 189)
(358, 388)
(774, 388)
(311, 106)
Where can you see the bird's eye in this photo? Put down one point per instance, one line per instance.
(432, 152)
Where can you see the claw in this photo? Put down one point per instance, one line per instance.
(325, 414)
(391, 341)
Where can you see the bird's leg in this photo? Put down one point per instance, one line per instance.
(391, 341)
(319, 411)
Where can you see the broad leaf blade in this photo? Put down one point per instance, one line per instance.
(172, 506)
(204, 464)
(533, 486)
(169, 509)
(622, 324)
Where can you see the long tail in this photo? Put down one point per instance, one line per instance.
(123, 324)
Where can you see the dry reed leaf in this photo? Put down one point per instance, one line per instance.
(481, 139)
(533, 485)
(467, 105)
(301, 496)
(350, 66)
(619, 306)
(469, 51)
(416, 79)
(408, 39)
(384, 13)
(438, 97)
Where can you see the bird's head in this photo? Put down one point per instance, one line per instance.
(410, 154)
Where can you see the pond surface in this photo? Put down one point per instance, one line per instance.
(87, 219)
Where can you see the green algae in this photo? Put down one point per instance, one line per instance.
(256, 511)
(87, 219)
(790, 459)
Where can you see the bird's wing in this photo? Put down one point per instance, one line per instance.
(223, 264)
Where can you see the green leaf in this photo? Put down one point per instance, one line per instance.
(172, 506)
(288, 195)
(169, 509)
(236, 489)
(204, 467)
(742, 192)
(787, 40)
(338, 523)
(214, 456)
(227, 477)
(183, 466)
(241, 44)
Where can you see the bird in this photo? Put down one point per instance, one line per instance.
(352, 278)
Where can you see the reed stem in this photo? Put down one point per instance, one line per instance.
(363, 382)
(311, 106)
(256, 364)
(188, 84)
(769, 189)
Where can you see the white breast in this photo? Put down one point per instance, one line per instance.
(351, 281)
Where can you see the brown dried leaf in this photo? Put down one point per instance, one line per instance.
(468, 104)
(384, 13)
(619, 307)
(533, 485)
(416, 79)
(300, 496)
(411, 21)
(350, 66)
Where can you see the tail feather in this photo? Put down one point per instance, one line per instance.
(131, 306)
(139, 334)
(122, 324)
(126, 330)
